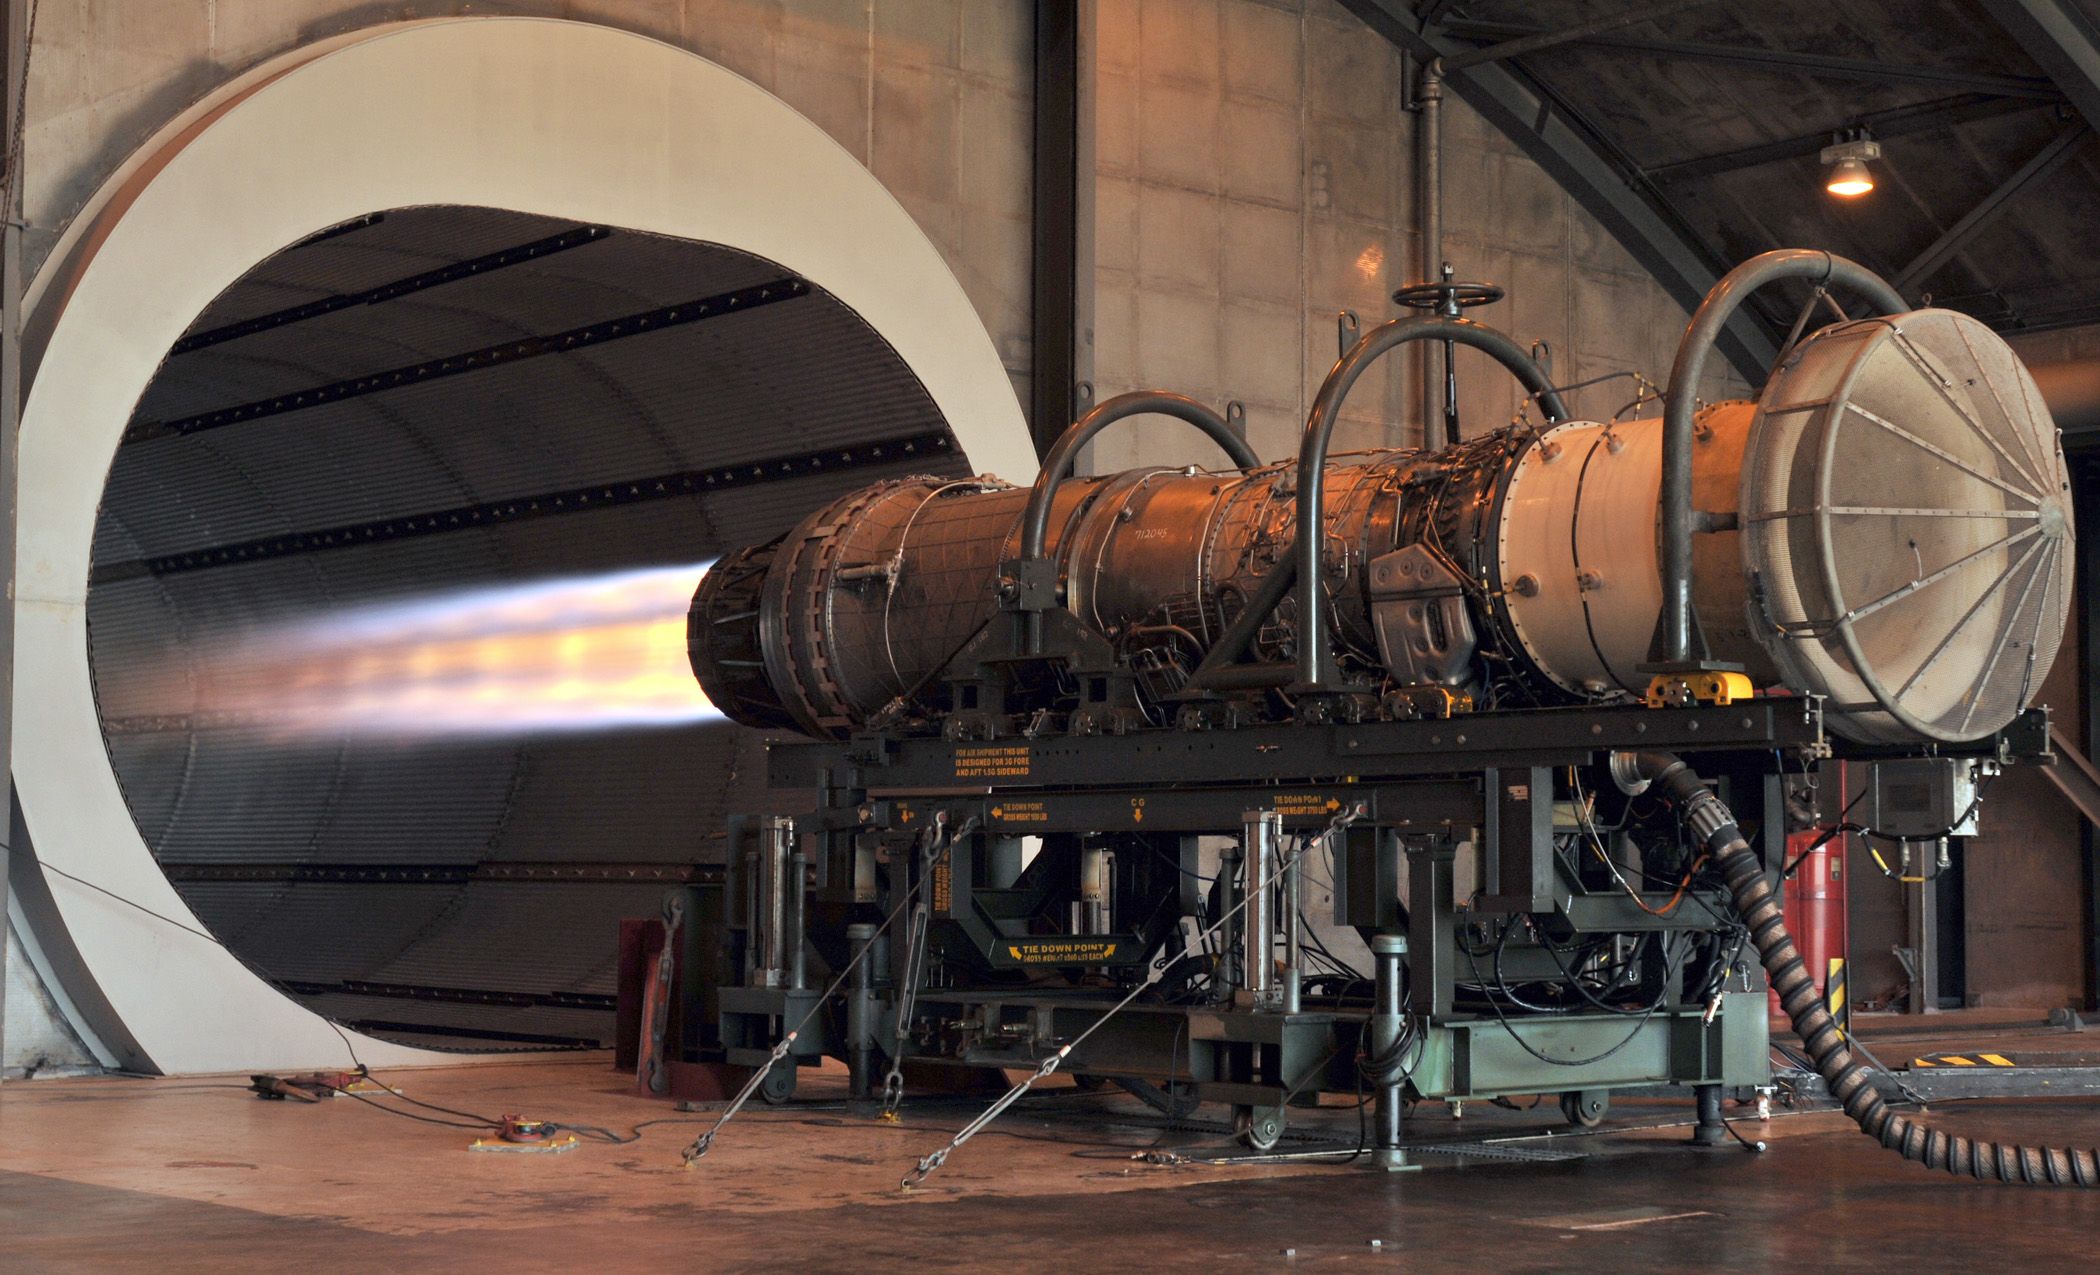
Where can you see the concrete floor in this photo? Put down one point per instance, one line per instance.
(196, 1174)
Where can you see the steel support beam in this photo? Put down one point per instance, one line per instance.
(2062, 40)
(1062, 266)
(1958, 236)
(585, 337)
(1610, 189)
(578, 500)
(1538, 39)
(1945, 78)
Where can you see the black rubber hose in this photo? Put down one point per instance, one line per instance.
(1758, 902)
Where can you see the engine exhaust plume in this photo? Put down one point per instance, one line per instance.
(586, 653)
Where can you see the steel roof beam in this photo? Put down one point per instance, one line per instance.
(1783, 59)
(1923, 117)
(585, 337)
(1610, 189)
(468, 269)
(576, 500)
(1958, 236)
(2062, 41)
(1527, 40)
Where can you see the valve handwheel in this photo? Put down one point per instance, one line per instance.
(1450, 299)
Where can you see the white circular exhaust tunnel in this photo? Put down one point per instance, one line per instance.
(611, 308)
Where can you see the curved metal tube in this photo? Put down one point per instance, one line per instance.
(1312, 454)
(1720, 305)
(1057, 466)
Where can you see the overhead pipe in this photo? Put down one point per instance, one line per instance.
(1675, 647)
(1319, 429)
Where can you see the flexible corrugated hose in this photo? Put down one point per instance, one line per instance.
(1758, 901)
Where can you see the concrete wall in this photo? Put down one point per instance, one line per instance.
(933, 95)
(1256, 176)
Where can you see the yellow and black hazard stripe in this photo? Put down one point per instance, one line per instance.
(1963, 1060)
(1834, 996)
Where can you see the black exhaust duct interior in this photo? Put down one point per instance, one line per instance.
(446, 398)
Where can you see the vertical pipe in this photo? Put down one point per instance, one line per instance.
(1261, 832)
(860, 1011)
(1429, 212)
(1387, 1021)
(1063, 258)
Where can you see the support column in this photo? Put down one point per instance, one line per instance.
(860, 1012)
(1387, 1021)
(1261, 844)
(1063, 266)
(1709, 1131)
(1921, 911)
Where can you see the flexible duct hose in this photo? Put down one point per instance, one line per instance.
(1759, 904)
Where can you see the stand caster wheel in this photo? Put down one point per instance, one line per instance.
(1258, 1128)
(1585, 1108)
(779, 1085)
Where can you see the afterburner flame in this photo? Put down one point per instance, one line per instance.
(573, 654)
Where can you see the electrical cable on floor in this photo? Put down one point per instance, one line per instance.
(479, 1127)
(30, 852)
